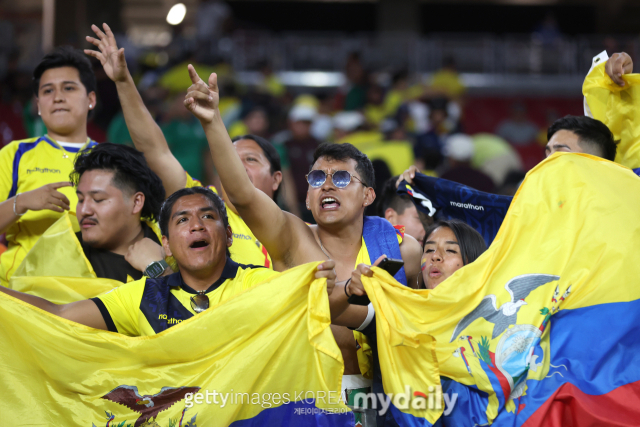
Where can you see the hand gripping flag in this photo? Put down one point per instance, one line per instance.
(264, 357)
(541, 330)
(619, 109)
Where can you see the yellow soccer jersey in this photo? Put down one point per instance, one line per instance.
(246, 249)
(149, 306)
(24, 166)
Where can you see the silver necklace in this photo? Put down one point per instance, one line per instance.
(323, 249)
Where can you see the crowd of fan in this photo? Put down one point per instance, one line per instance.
(199, 246)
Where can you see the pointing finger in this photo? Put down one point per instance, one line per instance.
(195, 78)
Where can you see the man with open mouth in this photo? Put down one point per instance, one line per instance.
(196, 232)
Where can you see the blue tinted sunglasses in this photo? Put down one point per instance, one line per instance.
(340, 179)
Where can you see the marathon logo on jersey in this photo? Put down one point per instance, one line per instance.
(467, 206)
(45, 170)
(242, 236)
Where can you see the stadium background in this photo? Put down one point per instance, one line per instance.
(502, 69)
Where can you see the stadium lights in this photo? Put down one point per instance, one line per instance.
(176, 14)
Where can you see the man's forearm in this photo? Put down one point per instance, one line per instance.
(144, 130)
(33, 300)
(233, 175)
(7, 216)
(343, 313)
(148, 137)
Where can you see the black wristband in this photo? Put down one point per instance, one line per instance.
(345, 288)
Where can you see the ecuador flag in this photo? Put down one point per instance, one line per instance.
(264, 357)
(542, 329)
(619, 109)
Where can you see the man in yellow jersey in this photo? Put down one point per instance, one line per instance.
(260, 158)
(340, 188)
(119, 201)
(34, 172)
(195, 231)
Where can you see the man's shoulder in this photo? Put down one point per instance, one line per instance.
(125, 289)
(254, 273)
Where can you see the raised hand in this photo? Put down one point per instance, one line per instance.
(202, 99)
(618, 65)
(407, 175)
(45, 197)
(111, 58)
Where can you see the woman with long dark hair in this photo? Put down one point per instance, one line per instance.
(447, 246)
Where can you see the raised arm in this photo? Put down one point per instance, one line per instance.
(288, 239)
(145, 132)
(85, 312)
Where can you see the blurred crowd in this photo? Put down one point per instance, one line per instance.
(397, 123)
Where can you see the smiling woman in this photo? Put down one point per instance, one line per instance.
(34, 173)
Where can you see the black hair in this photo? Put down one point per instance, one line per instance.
(66, 56)
(270, 153)
(391, 199)
(471, 243)
(130, 173)
(343, 152)
(590, 131)
(167, 206)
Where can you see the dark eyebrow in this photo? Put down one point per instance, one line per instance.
(92, 192)
(202, 209)
(431, 242)
(64, 82)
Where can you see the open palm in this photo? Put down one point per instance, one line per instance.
(111, 58)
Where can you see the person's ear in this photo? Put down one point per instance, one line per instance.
(277, 180)
(369, 196)
(165, 246)
(92, 100)
(229, 236)
(391, 215)
(138, 202)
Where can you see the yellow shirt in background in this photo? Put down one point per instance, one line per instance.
(24, 166)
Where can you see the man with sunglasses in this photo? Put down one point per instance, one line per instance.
(340, 188)
(196, 232)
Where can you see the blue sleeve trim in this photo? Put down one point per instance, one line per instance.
(22, 149)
